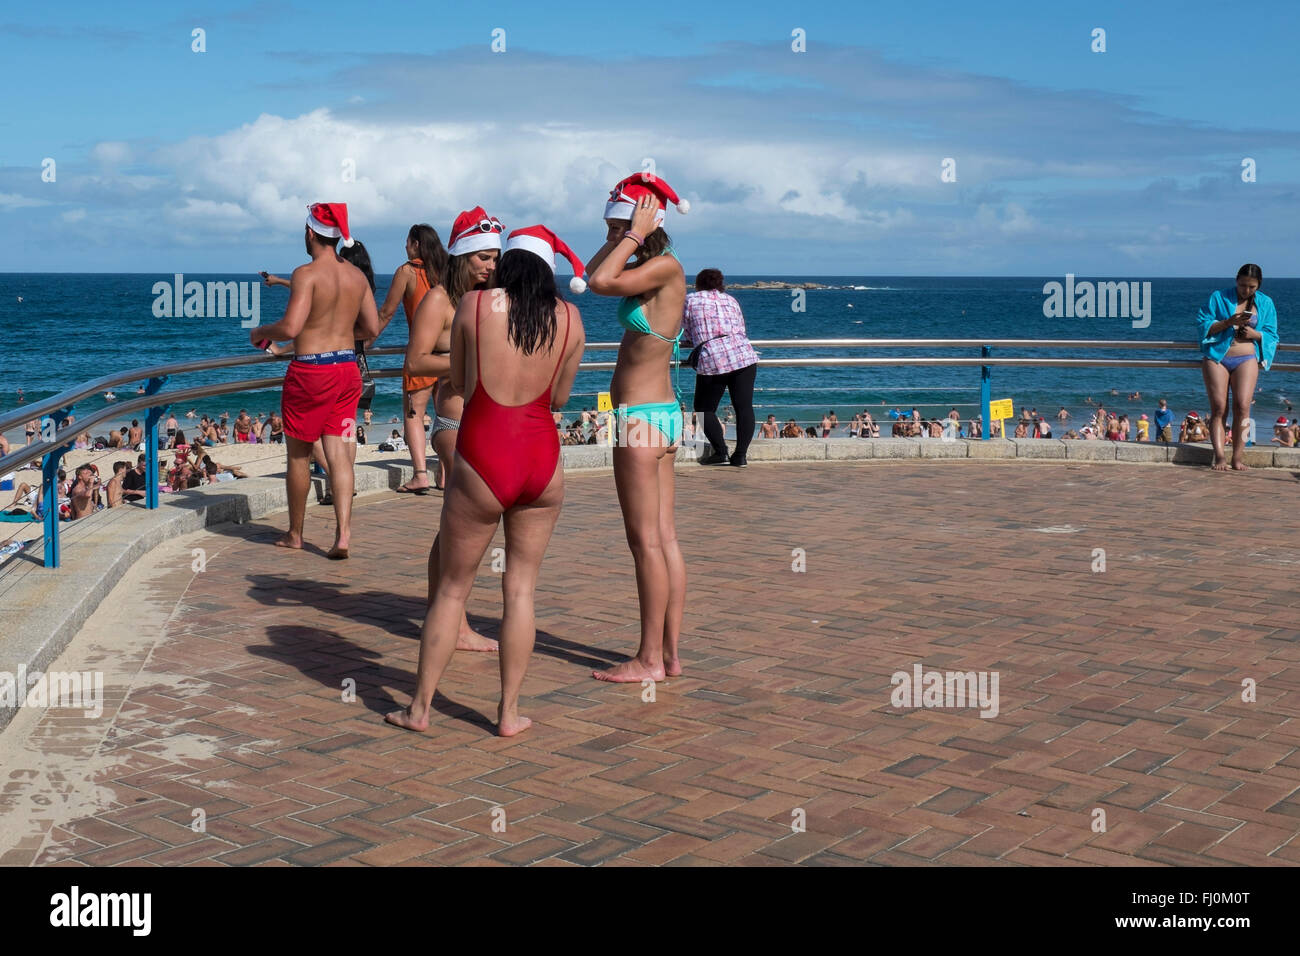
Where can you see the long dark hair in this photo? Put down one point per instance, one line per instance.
(359, 257)
(429, 250)
(530, 284)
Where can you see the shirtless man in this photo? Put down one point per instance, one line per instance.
(136, 433)
(113, 489)
(244, 424)
(208, 431)
(330, 307)
(83, 492)
(770, 427)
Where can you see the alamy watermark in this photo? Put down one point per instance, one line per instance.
(208, 300)
(951, 689)
(83, 689)
(129, 910)
(1099, 300)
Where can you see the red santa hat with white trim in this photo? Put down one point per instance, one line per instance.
(624, 197)
(330, 219)
(540, 241)
(474, 231)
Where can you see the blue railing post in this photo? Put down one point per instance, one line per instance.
(50, 486)
(986, 392)
(151, 443)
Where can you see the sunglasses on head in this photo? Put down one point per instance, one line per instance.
(491, 224)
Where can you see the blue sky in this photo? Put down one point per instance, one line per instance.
(1126, 162)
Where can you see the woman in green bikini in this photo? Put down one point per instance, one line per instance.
(648, 410)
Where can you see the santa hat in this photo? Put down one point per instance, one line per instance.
(624, 197)
(330, 219)
(540, 241)
(474, 231)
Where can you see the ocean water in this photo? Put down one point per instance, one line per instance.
(73, 328)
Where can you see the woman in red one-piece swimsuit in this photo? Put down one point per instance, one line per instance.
(530, 342)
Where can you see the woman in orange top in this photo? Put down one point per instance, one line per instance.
(426, 260)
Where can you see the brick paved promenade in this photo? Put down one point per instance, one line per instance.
(1119, 690)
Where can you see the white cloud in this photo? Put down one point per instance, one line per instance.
(111, 153)
(556, 173)
(17, 201)
(1013, 220)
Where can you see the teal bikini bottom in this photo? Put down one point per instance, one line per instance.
(665, 416)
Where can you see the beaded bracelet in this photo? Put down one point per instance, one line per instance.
(639, 241)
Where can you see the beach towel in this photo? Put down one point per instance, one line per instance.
(17, 516)
(8, 551)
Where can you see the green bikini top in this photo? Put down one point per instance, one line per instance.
(632, 318)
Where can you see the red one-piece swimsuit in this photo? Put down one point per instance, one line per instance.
(513, 448)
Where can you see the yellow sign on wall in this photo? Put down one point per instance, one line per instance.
(1001, 409)
(603, 404)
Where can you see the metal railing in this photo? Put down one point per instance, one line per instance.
(54, 443)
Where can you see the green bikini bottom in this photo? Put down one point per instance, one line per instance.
(665, 416)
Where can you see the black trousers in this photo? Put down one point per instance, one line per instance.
(708, 393)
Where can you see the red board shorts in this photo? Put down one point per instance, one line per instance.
(320, 400)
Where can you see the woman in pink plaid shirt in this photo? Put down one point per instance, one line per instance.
(727, 362)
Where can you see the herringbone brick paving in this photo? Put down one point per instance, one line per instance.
(1120, 690)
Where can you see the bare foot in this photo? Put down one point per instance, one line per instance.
(1240, 466)
(672, 666)
(469, 640)
(508, 726)
(407, 720)
(289, 540)
(1220, 464)
(630, 672)
(337, 554)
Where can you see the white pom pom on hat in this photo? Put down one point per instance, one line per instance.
(330, 219)
(544, 244)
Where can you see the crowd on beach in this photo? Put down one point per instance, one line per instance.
(205, 430)
(87, 492)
